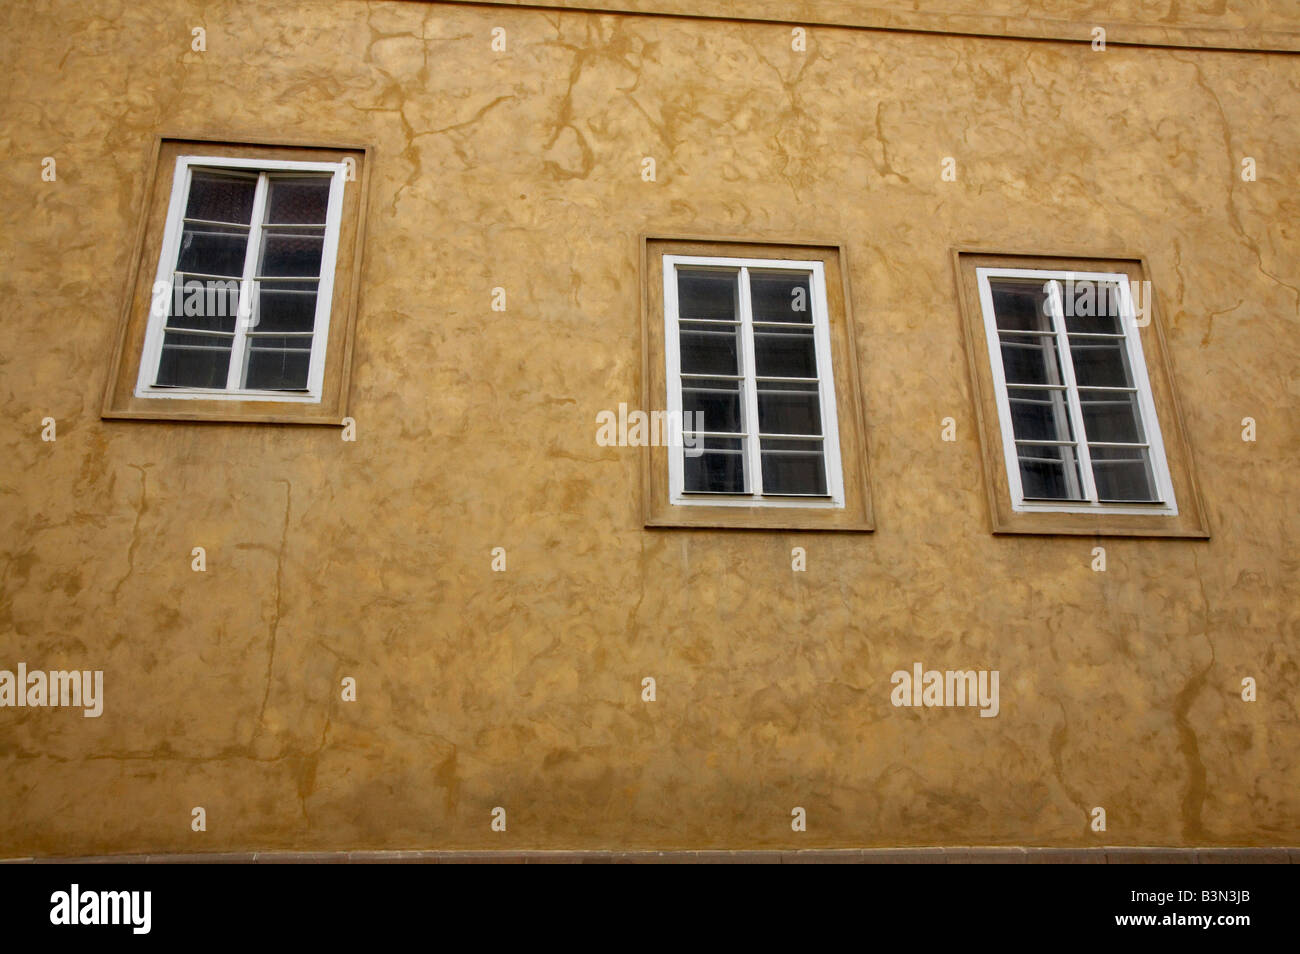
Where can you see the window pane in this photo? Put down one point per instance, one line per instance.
(1111, 416)
(793, 467)
(286, 306)
(1100, 362)
(1020, 305)
(267, 342)
(788, 408)
(778, 297)
(785, 354)
(1092, 307)
(298, 199)
(178, 339)
(291, 253)
(212, 250)
(719, 469)
(220, 198)
(1049, 472)
(273, 367)
(205, 304)
(1038, 414)
(194, 361)
(706, 293)
(717, 399)
(1030, 359)
(708, 349)
(1122, 473)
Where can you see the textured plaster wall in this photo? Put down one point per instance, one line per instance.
(476, 430)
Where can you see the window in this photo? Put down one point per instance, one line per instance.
(243, 314)
(749, 361)
(1074, 408)
(754, 343)
(1079, 428)
(242, 289)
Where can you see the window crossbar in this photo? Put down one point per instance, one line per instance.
(212, 277)
(242, 226)
(200, 331)
(170, 346)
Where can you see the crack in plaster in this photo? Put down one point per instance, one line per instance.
(275, 620)
(140, 509)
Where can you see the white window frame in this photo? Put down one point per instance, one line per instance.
(151, 353)
(1168, 505)
(834, 498)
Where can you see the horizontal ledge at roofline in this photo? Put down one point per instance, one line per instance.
(936, 855)
(801, 241)
(215, 138)
(1106, 255)
(881, 17)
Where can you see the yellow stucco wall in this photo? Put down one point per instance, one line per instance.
(476, 430)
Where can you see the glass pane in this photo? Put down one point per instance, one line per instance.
(719, 469)
(778, 297)
(1100, 362)
(1111, 416)
(1122, 474)
(264, 342)
(785, 354)
(291, 253)
(298, 199)
(206, 304)
(220, 198)
(708, 349)
(180, 340)
(788, 409)
(272, 367)
(194, 361)
(1020, 304)
(1091, 307)
(1039, 415)
(212, 250)
(1049, 472)
(717, 399)
(793, 467)
(1030, 359)
(286, 306)
(706, 293)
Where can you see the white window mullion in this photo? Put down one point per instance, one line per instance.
(248, 287)
(1060, 401)
(753, 456)
(1072, 393)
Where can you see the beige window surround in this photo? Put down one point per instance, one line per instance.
(131, 394)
